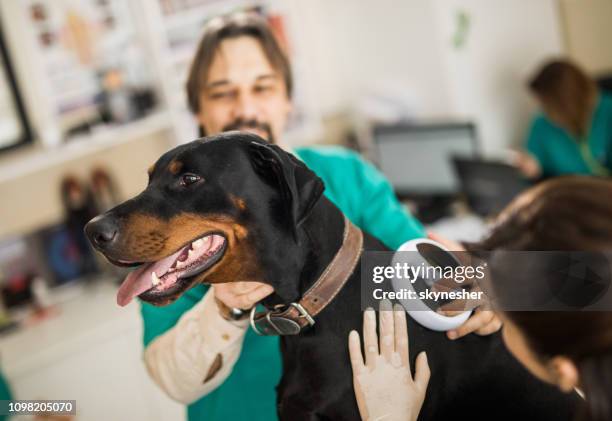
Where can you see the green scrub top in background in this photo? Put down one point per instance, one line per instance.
(367, 199)
(559, 153)
(5, 393)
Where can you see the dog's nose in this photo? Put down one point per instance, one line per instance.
(102, 231)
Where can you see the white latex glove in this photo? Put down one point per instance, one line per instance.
(384, 387)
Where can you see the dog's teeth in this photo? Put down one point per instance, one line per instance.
(154, 279)
(206, 242)
(197, 243)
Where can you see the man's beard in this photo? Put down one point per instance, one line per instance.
(241, 124)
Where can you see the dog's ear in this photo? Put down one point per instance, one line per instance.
(300, 188)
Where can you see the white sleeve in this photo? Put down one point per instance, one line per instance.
(198, 354)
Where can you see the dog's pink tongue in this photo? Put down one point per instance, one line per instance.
(139, 280)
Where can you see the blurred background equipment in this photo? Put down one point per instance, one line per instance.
(17, 270)
(104, 190)
(417, 160)
(79, 208)
(488, 186)
(91, 55)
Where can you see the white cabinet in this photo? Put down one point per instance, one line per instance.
(90, 352)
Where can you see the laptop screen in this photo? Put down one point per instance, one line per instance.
(417, 159)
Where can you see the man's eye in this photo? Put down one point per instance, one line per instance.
(221, 95)
(188, 179)
(260, 89)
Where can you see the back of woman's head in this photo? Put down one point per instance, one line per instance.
(564, 214)
(568, 95)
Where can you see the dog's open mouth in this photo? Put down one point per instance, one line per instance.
(168, 276)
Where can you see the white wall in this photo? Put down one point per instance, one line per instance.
(588, 31)
(356, 46)
(506, 42)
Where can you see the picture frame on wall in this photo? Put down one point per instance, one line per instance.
(15, 129)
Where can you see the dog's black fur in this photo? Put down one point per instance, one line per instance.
(293, 233)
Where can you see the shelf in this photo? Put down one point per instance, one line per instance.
(37, 158)
(89, 317)
(195, 15)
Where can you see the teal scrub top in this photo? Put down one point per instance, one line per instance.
(368, 200)
(560, 153)
(5, 393)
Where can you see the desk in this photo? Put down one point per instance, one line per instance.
(463, 227)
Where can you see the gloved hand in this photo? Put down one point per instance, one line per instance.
(384, 387)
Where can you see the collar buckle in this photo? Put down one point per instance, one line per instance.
(278, 321)
(303, 313)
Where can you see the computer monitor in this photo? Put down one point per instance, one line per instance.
(489, 186)
(417, 158)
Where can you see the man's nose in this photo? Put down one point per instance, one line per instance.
(102, 231)
(246, 107)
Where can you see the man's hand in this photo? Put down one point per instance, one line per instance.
(525, 163)
(242, 295)
(482, 322)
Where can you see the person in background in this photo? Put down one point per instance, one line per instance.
(570, 349)
(573, 134)
(240, 79)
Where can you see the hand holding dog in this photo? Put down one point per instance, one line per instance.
(384, 386)
(482, 322)
(242, 295)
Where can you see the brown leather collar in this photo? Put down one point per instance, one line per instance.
(290, 319)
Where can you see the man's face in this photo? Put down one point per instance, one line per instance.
(244, 92)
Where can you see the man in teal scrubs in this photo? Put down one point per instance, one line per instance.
(573, 135)
(240, 80)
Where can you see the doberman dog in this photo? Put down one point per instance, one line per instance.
(232, 207)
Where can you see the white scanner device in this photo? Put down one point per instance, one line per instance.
(425, 252)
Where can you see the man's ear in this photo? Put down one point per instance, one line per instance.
(300, 188)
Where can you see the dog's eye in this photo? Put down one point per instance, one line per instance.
(188, 179)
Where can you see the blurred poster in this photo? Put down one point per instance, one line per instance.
(79, 42)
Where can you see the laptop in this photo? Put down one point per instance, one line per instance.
(489, 186)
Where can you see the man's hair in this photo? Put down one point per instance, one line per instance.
(568, 91)
(233, 26)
